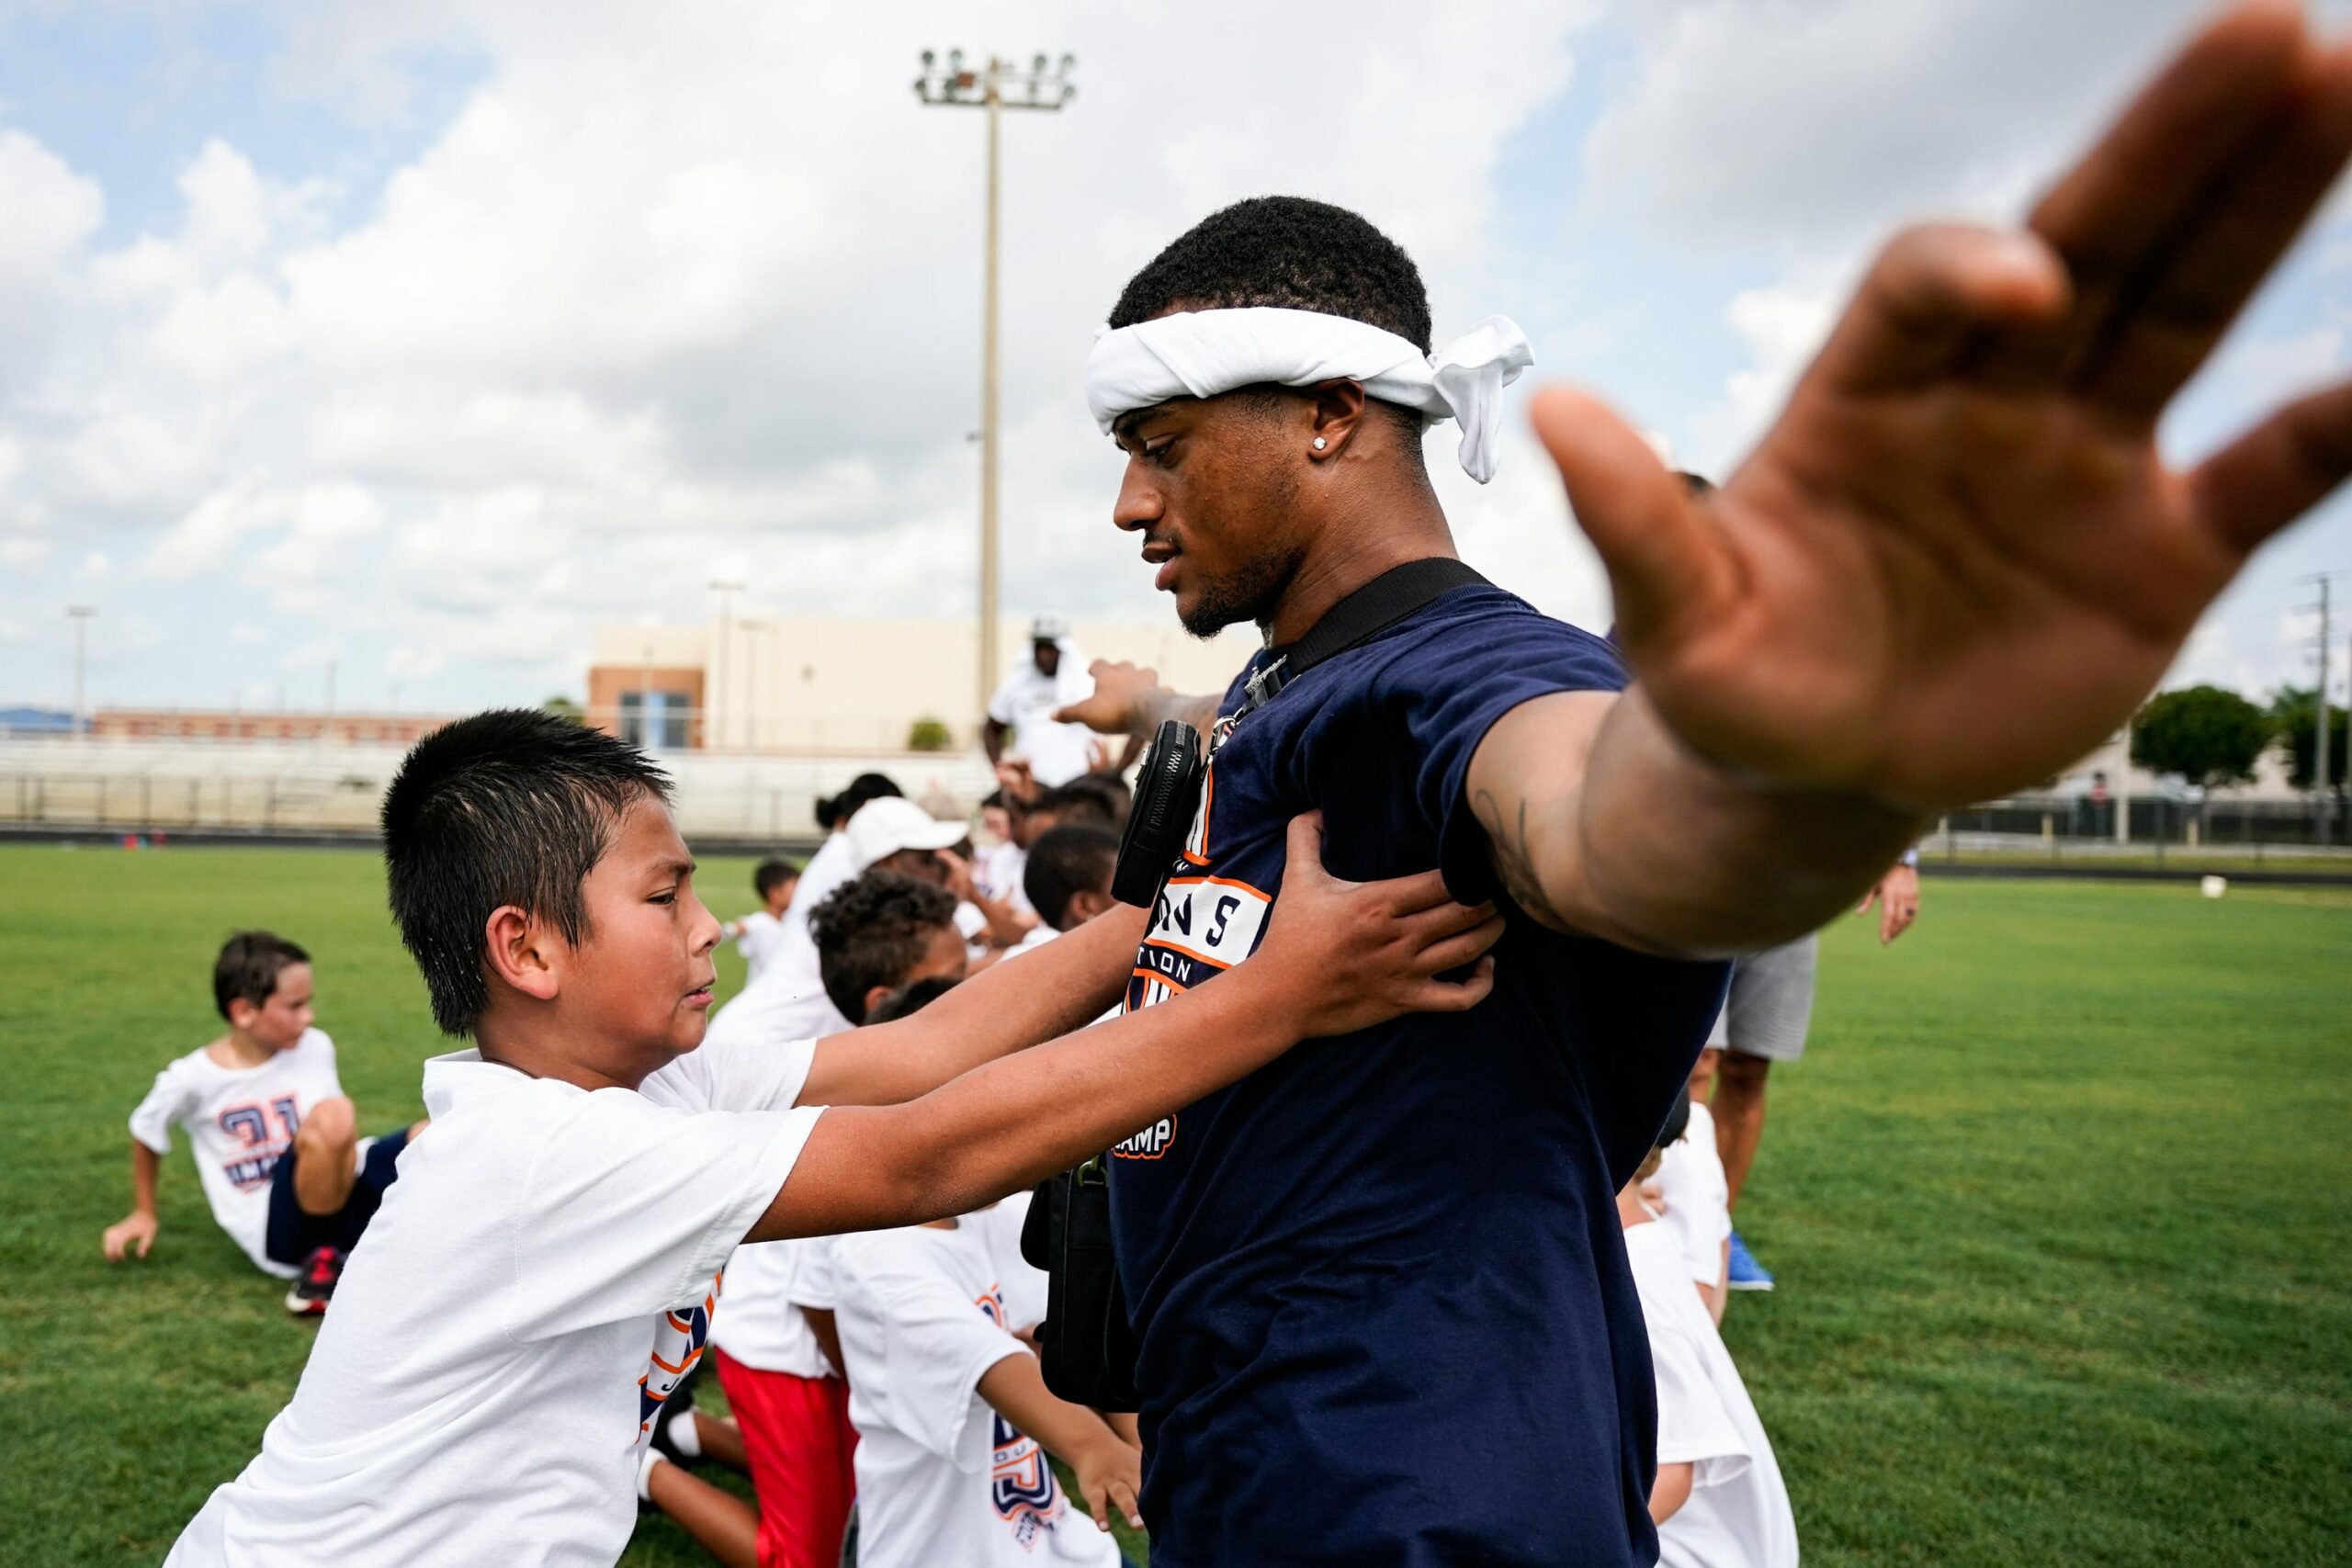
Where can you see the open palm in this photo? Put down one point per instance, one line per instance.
(1957, 563)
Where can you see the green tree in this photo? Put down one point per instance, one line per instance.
(564, 707)
(2295, 712)
(2207, 735)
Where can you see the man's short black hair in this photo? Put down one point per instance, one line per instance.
(1067, 860)
(1289, 252)
(248, 968)
(773, 874)
(510, 806)
(912, 998)
(1080, 801)
(871, 931)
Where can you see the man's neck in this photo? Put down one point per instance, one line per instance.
(1359, 545)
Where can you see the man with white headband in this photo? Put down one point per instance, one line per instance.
(1379, 1288)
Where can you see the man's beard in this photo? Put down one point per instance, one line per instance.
(1249, 594)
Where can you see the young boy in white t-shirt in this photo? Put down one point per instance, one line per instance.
(954, 1418)
(276, 1143)
(542, 1274)
(1694, 1195)
(759, 935)
(1718, 1500)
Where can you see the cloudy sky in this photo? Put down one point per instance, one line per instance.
(419, 336)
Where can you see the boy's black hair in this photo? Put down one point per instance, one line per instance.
(248, 968)
(834, 810)
(870, 932)
(1293, 253)
(1677, 1121)
(510, 806)
(772, 874)
(1066, 861)
(1079, 802)
(912, 998)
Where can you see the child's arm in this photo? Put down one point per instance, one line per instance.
(1110, 1473)
(1067, 984)
(1337, 957)
(136, 1229)
(1669, 1491)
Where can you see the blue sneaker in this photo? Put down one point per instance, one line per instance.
(1746, 1273)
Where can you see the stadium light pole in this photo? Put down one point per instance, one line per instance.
(724, 664)
(80, 615)
(999, 85)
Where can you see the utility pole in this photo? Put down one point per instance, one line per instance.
(723, 666)
(2319, 700)
(80, 615)
(1041, 87)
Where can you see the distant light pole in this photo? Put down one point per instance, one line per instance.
(80, 615)
(725, 663)
(1000, 85)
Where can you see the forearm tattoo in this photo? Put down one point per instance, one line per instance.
(1507, 831)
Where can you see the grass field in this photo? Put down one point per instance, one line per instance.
(2061, 1202)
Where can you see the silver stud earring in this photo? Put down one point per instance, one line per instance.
(1320, 444)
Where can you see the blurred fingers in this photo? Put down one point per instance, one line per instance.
(1928, 292)
(2277, 471)
(1456, 995)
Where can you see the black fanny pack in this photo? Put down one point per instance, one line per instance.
(1087, 1345)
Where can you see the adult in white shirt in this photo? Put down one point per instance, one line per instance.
(1023, 707)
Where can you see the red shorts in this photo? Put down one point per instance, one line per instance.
(799, 1444)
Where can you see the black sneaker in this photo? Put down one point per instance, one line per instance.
(314, 1287)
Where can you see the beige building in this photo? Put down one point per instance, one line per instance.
(808, 685)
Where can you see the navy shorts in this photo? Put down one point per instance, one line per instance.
(293, 1235)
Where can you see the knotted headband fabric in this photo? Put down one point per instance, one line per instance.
(1202, 352)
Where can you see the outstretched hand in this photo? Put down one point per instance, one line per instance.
(1957, 563)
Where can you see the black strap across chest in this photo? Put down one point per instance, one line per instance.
(1399, 591)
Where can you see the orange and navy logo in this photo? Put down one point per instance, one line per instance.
(1149, 1144)
(678, 1342)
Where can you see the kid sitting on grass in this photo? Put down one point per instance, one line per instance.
(542, 1275)
(1718, 1500)
(276, 1145)
(759, 936)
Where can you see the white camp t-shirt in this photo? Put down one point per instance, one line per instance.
(535, 1284)
(828, 869)
(775, 1010)
(757, 1322)
(759, 936)
(1738, 1514)
(940, 1476)
(1027, 701)
(240, 1122)
(1697, 1197)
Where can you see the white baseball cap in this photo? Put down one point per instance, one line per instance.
(1048, 628)
(882, 828)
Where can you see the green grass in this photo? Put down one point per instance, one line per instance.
(2058, 1201)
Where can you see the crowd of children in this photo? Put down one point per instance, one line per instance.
(887, 1402)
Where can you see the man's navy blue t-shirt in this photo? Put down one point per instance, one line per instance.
(1380, 1287)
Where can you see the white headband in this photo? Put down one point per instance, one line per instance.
(1202, 352)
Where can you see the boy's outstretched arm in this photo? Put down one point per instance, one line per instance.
(1110, 1473)
(1337, 957)
(1006, 1008)
(135, 1232)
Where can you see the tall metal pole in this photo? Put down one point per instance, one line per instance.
(2319, 760)
(80, 614)
(715, 671)
(995, 101)
(1002, 84)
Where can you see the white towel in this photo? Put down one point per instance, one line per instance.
(1202, 352)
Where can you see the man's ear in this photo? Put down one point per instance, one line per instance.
(522, 954)
(1083, 906)
(1335, 410)
(874, 995)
